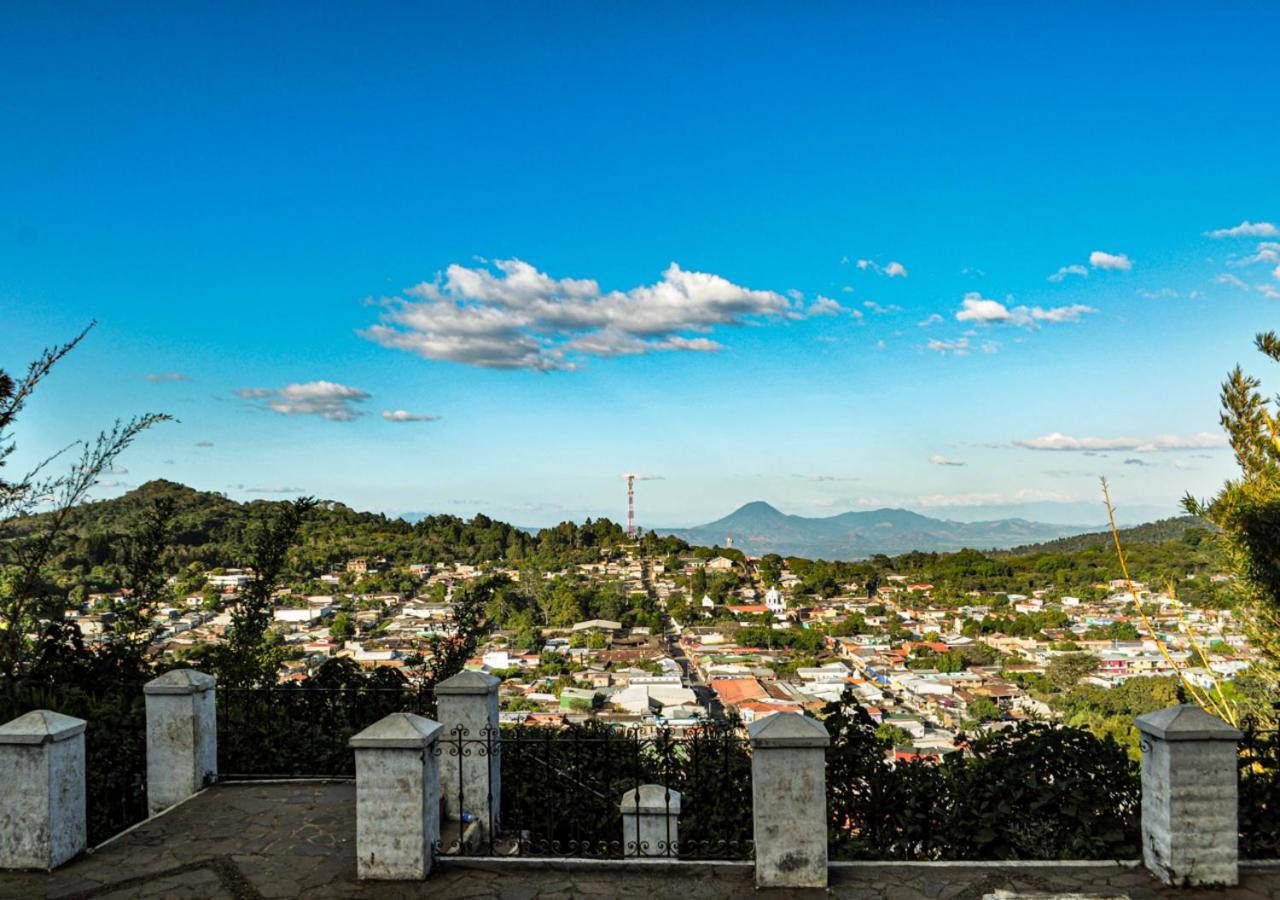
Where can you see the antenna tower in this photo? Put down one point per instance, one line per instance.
(631, 505)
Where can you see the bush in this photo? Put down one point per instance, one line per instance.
(1030, 792)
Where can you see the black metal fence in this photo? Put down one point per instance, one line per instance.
(562, 789)
(302, 731)
(1259, 794)
(114, 744)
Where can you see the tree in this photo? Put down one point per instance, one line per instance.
(1065, 672)
(342, 628)
(27, 598)
(984, 709)
(248, 658)
(1247, 509)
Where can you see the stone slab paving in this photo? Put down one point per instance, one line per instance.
(297, 840)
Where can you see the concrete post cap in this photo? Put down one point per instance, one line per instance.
(41, 726)
(398, 731)
(1186, 722)
(788, 730)
(468, 682)
(652, 800)
(180, 681)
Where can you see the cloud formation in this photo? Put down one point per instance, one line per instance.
(1100, 259)
(976, 308)
(166, 376)
(892, 270)
(402, 415)
(327, 399)
(512, 316)
(1024, 495)
(1065, 271)
(961, 346)
(1061, 442)
(943, 461)
(1246, 229)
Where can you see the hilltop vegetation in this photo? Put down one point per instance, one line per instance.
(207, 530)
(1158, 532)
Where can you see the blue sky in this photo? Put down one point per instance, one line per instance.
(298, 218)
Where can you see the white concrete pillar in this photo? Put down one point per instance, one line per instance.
(182, 736)
(650, 821)
(42, 798)
(397, 797)
(470, 758)
(1189, 786)
(789, 799)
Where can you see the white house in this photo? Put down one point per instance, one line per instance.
(775, 601)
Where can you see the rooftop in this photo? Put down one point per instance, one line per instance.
(297, 839)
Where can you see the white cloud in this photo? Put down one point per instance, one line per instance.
(1268, 252)
(1065, 271)
(1234, 281)
(957, 347)
(273, 489)
(824, 306)
(881, 310)
(933, 319)
(976, 308)
(1100, 259)
(1246, 229)
(520, 318)
(1062, 442)
(1161, 294)
(335, 402)
(166, 376)
(892, 270)
(1025, 495)
(402, 415)
(943, 461)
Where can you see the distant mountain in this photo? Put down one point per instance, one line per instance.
(1187, 528)
(758, 528)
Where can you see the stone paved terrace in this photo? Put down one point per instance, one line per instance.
(287, 840)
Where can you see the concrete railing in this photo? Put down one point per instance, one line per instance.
(42, 799)
(1189, 797)
(405, 779)
(182, 736)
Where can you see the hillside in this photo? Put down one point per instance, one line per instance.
(758, 528)
(209, 529)
(1173, 529)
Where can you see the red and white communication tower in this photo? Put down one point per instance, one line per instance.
(631, 504)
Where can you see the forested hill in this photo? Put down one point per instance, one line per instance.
(209, 528)
(1157, 532)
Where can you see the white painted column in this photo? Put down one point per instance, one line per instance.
(789, 798)
(182, 736)
(42, 794)
(650, 821)
(1189, 786)
(470, 769)
(397, 797)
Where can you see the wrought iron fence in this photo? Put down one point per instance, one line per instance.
(561, 792)
(302, 731)
(114, 744)
(1259, 814)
